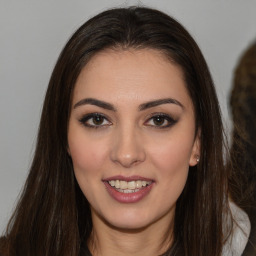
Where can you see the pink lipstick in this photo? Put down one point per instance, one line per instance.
(128, 189)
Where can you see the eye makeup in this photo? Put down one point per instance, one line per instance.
(157, 120)
(160, 121)
(94, 120)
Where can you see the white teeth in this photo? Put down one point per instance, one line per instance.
(138, 184)
(131, 185)
(127, 191)
(143, 183)
(117, 184)
(123, 184)
(128, 187)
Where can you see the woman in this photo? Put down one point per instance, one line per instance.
(129, 157)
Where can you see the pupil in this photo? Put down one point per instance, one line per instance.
(98, 120)
(158, 120)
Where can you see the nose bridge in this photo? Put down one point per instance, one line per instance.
(127, 148)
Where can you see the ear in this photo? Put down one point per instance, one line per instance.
(195, 153)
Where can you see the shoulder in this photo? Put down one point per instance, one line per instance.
(241, 228)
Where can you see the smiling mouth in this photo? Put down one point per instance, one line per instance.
(129, 186)
(130, 189)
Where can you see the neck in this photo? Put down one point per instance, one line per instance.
(152, 240)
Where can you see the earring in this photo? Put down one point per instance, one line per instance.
(197, 158)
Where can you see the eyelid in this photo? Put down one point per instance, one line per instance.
(167, 117)
(85, 118)
(89, 116)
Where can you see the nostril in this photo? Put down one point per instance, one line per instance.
(127, 159)
(127, 150)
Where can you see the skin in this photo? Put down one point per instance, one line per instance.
(128, 141)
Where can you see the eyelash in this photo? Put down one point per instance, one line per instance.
(165, 118)
(84, 120)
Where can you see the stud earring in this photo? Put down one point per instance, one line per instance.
(197, 159)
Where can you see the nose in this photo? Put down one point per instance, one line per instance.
(127, 148)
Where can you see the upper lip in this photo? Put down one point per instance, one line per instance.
(127, 178)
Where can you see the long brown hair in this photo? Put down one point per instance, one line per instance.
(53, 216)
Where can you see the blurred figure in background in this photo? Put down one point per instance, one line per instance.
(243, 150)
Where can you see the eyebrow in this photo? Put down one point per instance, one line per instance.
(155, 103)
(144, 106)
(99, 103)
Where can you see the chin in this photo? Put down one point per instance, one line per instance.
(129, 220)
(129, 225)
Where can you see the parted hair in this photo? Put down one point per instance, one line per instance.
(52, 217)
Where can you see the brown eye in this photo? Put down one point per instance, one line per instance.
(95, 120)
(160, 121)
(98, 120)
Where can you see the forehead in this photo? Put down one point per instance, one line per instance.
(131, 74)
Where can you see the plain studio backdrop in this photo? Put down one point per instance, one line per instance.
(32, 34)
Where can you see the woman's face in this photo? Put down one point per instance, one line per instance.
(131, 137)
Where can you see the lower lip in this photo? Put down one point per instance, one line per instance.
(128, 197)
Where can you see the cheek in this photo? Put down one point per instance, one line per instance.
(171, 160)
(87, 155)
(173, 154)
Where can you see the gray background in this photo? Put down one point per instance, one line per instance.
(32, 33)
